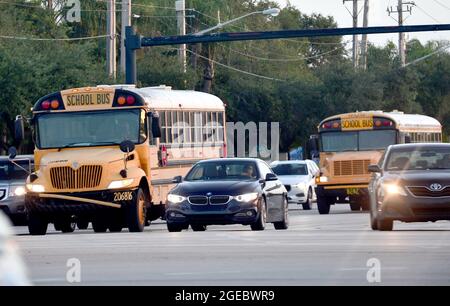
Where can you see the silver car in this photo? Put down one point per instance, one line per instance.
(12, 186)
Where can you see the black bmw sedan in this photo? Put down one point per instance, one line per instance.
(411, 183)
(227, 191)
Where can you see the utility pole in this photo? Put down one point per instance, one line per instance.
(49, 4)
(364, 37)
(355, 37)
(180, 7)
(126, 21)
(111, 39)
(401, 36)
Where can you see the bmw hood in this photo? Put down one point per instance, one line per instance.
(231, 188)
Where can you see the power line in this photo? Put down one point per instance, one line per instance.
(236, 69)
(286, 59)
(443, 5)
(51, 39)
(426, 13)
(441, 49)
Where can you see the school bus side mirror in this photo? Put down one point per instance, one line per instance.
(19, 129)
(156, 125)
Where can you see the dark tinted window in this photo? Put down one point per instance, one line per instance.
(9, 171)
(223, 170)
(290, 169)
(419, 158)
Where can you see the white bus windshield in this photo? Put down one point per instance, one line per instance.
(357, 141)
(90, 128)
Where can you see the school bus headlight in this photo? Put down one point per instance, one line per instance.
(322, 179)
(120, 184)
(394, 189)
(36, 188)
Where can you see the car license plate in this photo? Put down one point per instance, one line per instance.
(352, 191)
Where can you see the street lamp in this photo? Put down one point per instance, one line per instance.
(269, 12)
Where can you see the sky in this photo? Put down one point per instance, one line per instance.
(426, 12)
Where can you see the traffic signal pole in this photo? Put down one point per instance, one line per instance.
(134, 41)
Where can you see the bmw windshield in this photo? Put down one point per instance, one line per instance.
(220, 170)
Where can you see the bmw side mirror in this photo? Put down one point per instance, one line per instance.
(177, 179)
(271, 177)
(374, 169)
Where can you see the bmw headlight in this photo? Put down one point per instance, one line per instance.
(17, 191)
(394, 189)
(247, 197)
(176, 199)
(120, 184)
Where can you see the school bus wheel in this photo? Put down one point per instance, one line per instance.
(37, 224)
(137, 212)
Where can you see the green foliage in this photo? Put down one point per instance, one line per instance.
(315, 77)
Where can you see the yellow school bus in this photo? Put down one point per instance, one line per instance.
(107, 154)
(349, 143)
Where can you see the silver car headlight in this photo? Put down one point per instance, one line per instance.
(394, 189)
(17, 191)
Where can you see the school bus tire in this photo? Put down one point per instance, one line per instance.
(37, 225)
(99, 225)
(136, 212)
(323, 205)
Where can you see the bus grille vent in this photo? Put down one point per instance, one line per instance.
(83, 178)
(351, 167)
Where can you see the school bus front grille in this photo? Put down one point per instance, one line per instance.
(83, 178)
(351, 167)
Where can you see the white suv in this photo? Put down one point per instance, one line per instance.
(298, 176)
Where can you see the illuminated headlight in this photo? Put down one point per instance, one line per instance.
(35, 188)
(174, 198)
(394, 189)
(17, 191)
(120, 184)
(248, 197)
(322, 179)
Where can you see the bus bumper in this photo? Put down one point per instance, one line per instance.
(75, 203)
(341, 192)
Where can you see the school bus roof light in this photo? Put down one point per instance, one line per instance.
(131, 100)
(121, 100)
(45, 105)
(54, 104)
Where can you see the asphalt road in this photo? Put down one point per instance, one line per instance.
(316, 250)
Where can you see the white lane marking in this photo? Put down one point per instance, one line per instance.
(201, 273)
(365, 269)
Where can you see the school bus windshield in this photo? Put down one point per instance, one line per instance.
(60, 130)
(357, 141)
